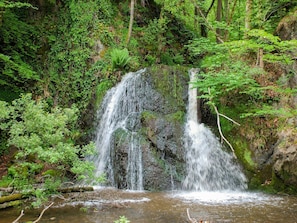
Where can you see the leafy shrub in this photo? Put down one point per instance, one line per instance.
(44, 139)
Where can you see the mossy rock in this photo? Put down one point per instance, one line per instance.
(172, 84)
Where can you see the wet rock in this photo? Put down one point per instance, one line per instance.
(157, 130)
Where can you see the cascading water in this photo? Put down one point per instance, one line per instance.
(119, 104)
(209, 168)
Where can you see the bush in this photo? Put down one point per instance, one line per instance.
(44, 139)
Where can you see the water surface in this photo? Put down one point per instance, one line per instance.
(106, 205)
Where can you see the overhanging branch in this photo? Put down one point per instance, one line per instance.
(219, 125)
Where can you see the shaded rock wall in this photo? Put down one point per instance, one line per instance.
(285, 152)
(269, 150)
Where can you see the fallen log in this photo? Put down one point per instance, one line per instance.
(75, 189)
(10, 204)
(11, 197)
(15, 199)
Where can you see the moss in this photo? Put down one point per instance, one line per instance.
(148, 115)
(121, 136)
(178, 116)
(101, 90)
(166, 166)
(247, 155)
(53, 173)
(5, 181)
(170, 82)
(254, 183)
(280, 185)
(243, 154)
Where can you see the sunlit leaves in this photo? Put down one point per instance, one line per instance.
(234, 79)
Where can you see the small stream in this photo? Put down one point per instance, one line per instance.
(106, 205)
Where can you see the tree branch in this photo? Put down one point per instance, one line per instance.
(21, 215)
(207, 23)
(219, 126)
(192, 220)
(40, 216)
(230, 119)
(208, 10)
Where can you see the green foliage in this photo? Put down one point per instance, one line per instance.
(122, 219)
(19, 44)
(235, 80)
(228, 77)
(153, 38)
(266, 13)
(106, 10)
(275, 50)
(45, 139)
(8, 5)
(183, 10)
(70, 74)
(119, 58)
(102, 89)
(178, 116)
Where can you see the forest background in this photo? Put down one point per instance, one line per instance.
(58, 58)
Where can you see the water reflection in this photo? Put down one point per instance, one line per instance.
(106, 205)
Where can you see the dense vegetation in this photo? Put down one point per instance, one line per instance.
(56, 55)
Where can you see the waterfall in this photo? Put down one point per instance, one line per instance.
(119, 105)
(209, 168)
(120, 144)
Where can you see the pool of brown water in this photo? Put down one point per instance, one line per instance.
(107, 205)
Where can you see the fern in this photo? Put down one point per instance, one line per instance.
(119, 58)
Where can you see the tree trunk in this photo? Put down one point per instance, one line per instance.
(131, 21)
(248, 16)
(229, 20)
(219, 19)
(201, 12)
(260, 61)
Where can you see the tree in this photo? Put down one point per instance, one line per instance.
(131, 21)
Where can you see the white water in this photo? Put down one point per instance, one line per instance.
(119, 103)
(209, 168)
